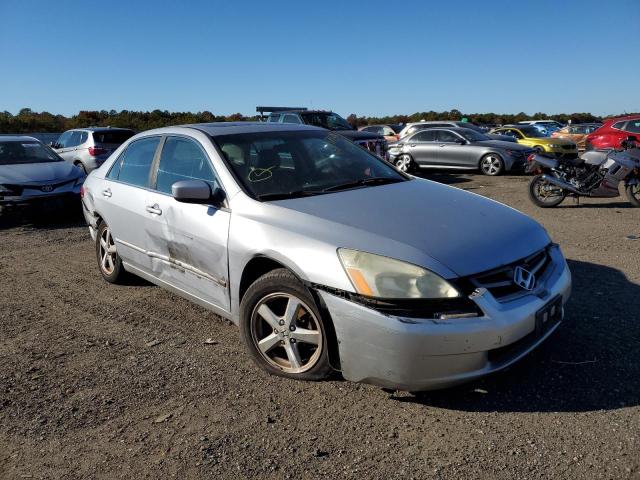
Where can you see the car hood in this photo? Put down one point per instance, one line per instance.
(502, 144)
(504, 138)
(37, 172)
(419, 221)
(356, 135)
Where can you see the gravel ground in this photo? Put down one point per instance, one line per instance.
(102, 381)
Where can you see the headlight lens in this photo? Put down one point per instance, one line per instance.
(383, 277)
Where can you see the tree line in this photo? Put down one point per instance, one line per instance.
(28, 121)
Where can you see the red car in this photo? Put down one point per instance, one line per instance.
(613, 131)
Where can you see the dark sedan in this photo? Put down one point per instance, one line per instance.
(457, 148)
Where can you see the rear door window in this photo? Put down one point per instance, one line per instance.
(135, 162)
(633, 126)
(274, 118)
(618, 125)
(183, 159)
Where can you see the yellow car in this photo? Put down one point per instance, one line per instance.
(532, 137)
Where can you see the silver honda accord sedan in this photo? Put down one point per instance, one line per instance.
(294, 233)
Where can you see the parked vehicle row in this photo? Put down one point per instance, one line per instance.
(294, 234)
(531, 137)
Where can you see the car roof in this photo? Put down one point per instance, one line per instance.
(624, 117)
(299, 111)
(18, 138)
(101, 129)
(230, 128)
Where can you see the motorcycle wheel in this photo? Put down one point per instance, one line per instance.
(544, 194)
(633, 194)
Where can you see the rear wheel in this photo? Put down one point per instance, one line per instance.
(633, 194)
(539, 150)
(109, 261)
(283, 329)
(404, 163)
(491, 164)
(545, 194)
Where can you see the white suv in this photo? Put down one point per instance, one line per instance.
(88, 148)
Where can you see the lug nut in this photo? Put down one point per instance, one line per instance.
(293, 340)
(282, 342)
(292, 328)
(281, 322)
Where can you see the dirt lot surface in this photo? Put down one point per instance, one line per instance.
(102, 381)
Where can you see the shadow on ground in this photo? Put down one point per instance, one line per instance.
(592, 362)
(69, 216)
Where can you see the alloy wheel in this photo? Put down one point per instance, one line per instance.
(286, 332)
(491, 165)
(107, 252)
(403, 163)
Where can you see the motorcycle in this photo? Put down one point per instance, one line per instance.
(596, 174)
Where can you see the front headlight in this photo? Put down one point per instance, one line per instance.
(554, 145)
(383, 277)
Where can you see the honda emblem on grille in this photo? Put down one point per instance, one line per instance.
(47, 188)
(524, 278)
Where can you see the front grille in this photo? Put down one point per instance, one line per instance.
(14, 190)
(568, 147)
(500, 282)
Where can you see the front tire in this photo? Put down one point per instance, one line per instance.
(405, 163)
(109, 261)
(633, 194)
(283, 329)
(492, 165)
(544, 194)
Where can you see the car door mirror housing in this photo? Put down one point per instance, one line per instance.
(196, 191)
(461, 141)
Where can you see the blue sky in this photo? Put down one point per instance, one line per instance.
(370, 58)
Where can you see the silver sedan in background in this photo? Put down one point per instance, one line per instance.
(457, 148)
(293, 232)
(31, 172)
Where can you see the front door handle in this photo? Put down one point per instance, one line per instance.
(106, 192)
(412, 145)
(443, 145)
(155, 209)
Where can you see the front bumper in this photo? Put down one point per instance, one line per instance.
(415, 355)
(73, 195)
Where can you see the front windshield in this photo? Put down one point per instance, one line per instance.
(14, 152)
(328, 120)
(531, 132)
(277, 165)
(473, 136)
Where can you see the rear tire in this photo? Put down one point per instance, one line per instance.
(633, 194)
(491, 165)
(109, 262)
(283, 329)
(545, 195)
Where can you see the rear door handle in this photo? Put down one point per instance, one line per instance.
(106, 192)
(155, 209)
(412, 145)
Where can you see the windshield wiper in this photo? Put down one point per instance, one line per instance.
(285, 195)
(363, 182)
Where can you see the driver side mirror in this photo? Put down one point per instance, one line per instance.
(632, 138)
(197, 191)
(461, 141)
